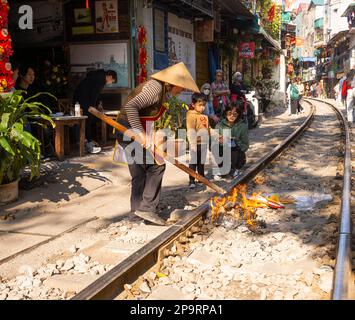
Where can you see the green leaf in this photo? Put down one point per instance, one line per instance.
(4, 143)
(5, 119)
(21, 136)
(40, 94)
(19, 148)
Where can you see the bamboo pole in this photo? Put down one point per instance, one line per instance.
(131, 134)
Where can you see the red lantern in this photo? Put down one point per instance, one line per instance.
(142, 54)
(6, 80)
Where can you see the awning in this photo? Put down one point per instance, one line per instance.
(349, 9)
(318, 2)
(234, 7)
(308, 59)
(337, 36)
(189, 8)
(270, 39)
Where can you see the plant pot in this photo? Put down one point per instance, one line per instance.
(9, 192)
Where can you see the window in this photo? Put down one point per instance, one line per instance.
(159, 30)
(161, 56)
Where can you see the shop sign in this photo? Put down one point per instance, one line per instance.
(246, 50)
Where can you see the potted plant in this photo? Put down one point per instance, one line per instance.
(174, 119)
(18, 147)
(265, 89)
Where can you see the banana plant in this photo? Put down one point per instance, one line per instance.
(18, 147)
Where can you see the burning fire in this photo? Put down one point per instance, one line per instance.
(241, 207)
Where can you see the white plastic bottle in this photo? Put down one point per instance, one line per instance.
(77, 109)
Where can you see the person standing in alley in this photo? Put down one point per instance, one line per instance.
(300, 87)
(144, 105)
(209, 110)
(294, 96)
(220, 93)
(288, 97)
(86, 93)
(349, 97)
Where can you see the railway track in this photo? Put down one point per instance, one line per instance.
(150, 258)
(344, 286)
(169, 254)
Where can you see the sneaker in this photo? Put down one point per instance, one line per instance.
(150, 216)
(91, 148)
(217, 177)
(192, 185)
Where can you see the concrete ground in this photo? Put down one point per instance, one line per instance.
(75, 198)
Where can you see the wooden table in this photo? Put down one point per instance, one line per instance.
(60, 123)
(111, 114)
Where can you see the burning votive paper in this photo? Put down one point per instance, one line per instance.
(239, 207)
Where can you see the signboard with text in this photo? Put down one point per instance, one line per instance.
(246, 50)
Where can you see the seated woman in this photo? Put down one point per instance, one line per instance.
(26, 77)
(25, 80)
(234, 135)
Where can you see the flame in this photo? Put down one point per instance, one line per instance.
(240, 206)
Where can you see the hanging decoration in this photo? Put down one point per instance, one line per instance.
(87, 4)
(142, 55)
(6, 80)
(272, 12)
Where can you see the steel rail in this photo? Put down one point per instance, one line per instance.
(343, 266)
(111, 284)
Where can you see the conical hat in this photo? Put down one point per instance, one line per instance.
(177, 75)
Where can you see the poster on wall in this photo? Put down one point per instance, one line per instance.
(246, 50)
(82, 15)
(106, 16)
(181, 44)
(113, 56)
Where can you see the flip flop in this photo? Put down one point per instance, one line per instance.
(151, 217)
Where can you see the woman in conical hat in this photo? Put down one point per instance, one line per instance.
(144, 105)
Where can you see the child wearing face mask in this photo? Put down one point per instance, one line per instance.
(209, 110)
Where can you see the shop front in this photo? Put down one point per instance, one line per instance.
(71, 38)
(79, 39)
(171, 36)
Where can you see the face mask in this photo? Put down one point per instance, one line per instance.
(206, 92)
(239, 78)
